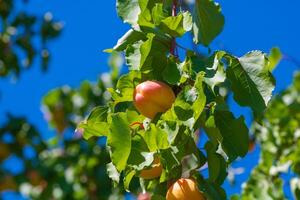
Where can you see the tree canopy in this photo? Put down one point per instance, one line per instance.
(114, 144)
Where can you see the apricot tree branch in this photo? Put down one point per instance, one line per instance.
(173, 41)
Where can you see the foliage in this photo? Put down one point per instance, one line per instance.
(150, 53)
(73, 169)
(66, 107)
(278, 137)
(18, 35)
(129, 142)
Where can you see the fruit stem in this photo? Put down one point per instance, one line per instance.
(137, 123)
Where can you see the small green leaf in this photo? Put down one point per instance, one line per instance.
(199, 103)
(275, 57)
(129, 38)
(125, 87)
(145, 18)
(119, 140)
(211, 190)
(139, 157)
(208, 21)
(173, 25)
(128, 10)
(153, 57)
(214, 69)
(113, 173)
(96, 123)
(251, 81)
(156, 138)
(127, 179)
(188, 105)
(234, 132)
(172, 72)
(133, 56)
(216, 164)
(158, 13)
(187, 21)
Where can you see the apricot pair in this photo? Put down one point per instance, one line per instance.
(151, 98)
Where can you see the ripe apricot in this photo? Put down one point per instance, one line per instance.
(152, 97)
(184, 189)
(154, 171)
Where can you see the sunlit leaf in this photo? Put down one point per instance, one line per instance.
(208, 21)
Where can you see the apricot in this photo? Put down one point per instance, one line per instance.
(184, 189)
(154, 171)
(152, 97)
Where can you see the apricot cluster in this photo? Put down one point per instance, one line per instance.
(151, 98)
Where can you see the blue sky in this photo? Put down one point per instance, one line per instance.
(93, 25)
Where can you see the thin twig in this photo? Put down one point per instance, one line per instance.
(173, 42)
(291, 59)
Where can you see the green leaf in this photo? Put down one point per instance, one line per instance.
(211, 190)
(183, 157)
(113, 173)
(158, 13)
(96, 123)
(251, 81)
(188, 105)
(200, 101)
(235, 197)
(295, 187)
(214, 69)
(145, 17)
(125, 87)
(144, 160)
(128, 10)
(234, 132)
(173, 25)
(140, 157)
(208, 21)
(212, 131)
(187, 21)
(133, 56)
(172, 72)
(170, 127)
(275, 57)
(153, 57)
(129, 38)
(156, 138)
(119, 140)
(216, 164)
(262, 185)
(171, 163)
(127, 179)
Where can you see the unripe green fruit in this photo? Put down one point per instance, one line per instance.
(152, 97)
